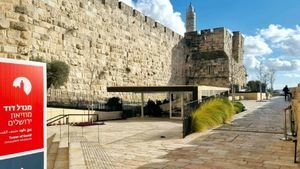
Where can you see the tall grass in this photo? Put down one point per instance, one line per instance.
(211, 114)
(238, 107)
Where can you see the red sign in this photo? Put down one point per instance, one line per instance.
(22, 106)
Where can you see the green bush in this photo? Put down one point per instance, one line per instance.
(57, 73)
(114, 104)
(152, 109)
(238, 107)
(211, 114)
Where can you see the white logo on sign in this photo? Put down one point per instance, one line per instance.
(24, 84)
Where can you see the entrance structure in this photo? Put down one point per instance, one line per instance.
(197, 92)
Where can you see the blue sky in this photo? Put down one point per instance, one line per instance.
(271, 29)
(244, 15)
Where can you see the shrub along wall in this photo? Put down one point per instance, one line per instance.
(213, 113)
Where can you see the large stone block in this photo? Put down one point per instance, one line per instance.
(6, 6)
(13, 34)
(25, 34)
(4, 24)
(8, 49)
(21, 26)
(22, 9)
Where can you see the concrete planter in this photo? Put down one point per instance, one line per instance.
(113, 115)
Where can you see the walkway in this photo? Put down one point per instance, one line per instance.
(251, 141)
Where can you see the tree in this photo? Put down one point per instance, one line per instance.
(272, 79)
(114, 104)
(254, 86)
(262, 76)
(95, 74)
(57, 73)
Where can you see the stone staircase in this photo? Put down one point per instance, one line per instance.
(57, 153)
(80, 153)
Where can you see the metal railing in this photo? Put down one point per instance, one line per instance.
(292, 136)
(189, 108)
(66, 116)
(69, 124)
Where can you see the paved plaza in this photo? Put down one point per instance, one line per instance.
(252, 140)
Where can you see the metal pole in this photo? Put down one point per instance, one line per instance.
(291, 133)
(68, 134)
(142, 107)
(98, 133)
(63, 116)
(170, 96)
(181, 105)
(285, 138)
(60, 131)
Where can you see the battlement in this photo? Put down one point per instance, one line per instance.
(217, 39)
(131, 12)
(128, 10)
(213, 31)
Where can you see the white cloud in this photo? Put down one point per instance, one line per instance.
(162, 11)
(128, 2)
(292, 75)
(285, 39)
(285, 42)
(283, 65)
(276, 33)
(255, 48)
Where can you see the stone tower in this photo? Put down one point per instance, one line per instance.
(190, 19)
(213, 57)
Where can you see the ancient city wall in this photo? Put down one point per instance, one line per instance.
(121, 45)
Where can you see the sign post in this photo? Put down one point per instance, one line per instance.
(22, 114)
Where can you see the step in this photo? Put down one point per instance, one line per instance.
(62, 157)
(52, 154)
(76, 156)
(50, 141)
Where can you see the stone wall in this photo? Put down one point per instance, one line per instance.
(215, 58)
(119, 44)
(210, 72)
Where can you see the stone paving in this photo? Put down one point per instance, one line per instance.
(252, 140)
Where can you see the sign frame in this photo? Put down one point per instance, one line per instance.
(44, 149)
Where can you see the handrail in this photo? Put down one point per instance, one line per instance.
(55, 120)
(54, 117)
(67, 115)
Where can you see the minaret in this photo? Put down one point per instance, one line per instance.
(190, 19)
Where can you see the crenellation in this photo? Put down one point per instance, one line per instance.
(150, 22)
(219, 30)
(159, 27)
(128, 10)
(206, 31)
(138, 16)
(135, 12)
(113, 4)
(168, 32)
